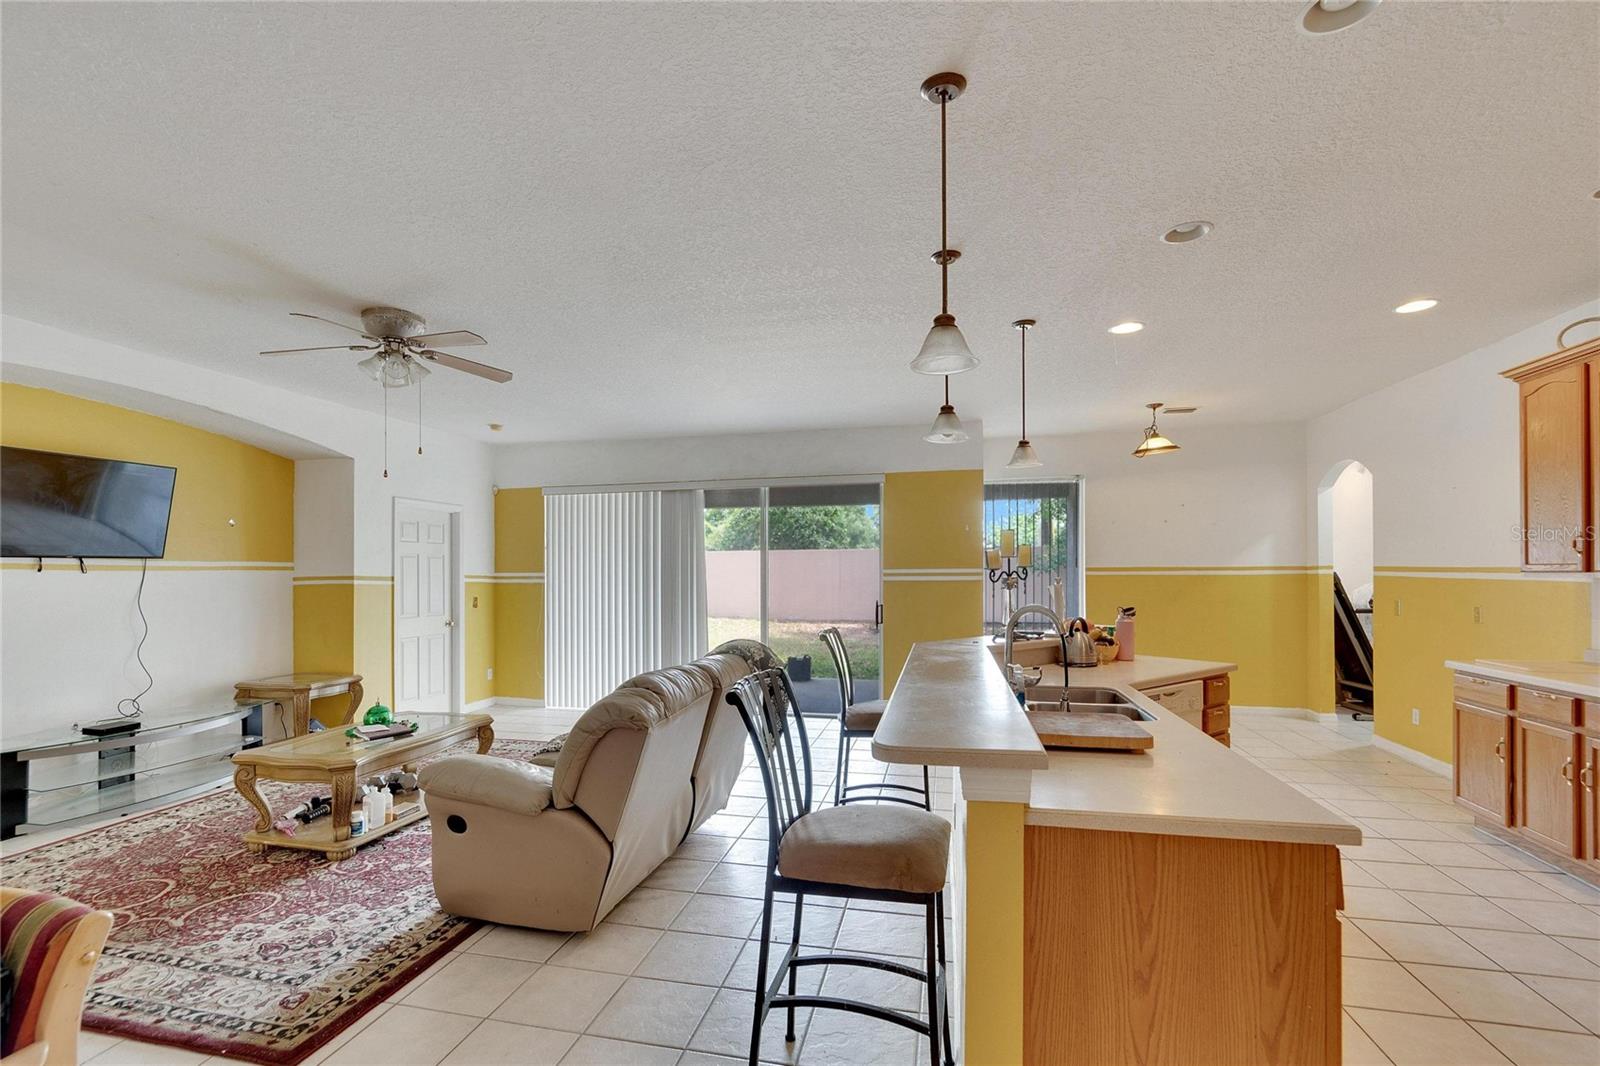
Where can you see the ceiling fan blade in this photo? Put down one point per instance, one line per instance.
(333, 348)
(331, 322)
(455, 362)
(459, 338)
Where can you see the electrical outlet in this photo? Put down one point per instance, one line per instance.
(1416, 716)
(489, 674)
(1477, 615)
(474, 601)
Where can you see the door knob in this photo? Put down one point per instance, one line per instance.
(449, 622)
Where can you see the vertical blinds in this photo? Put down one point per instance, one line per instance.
(625, 589)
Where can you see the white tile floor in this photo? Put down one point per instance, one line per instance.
(1459, 950)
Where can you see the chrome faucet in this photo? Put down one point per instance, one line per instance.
(1014, 676)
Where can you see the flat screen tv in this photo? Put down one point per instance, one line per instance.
(75, 506)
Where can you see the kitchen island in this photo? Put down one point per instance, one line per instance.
(1176, 905)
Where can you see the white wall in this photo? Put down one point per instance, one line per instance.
(1231, 496)
(67, 640)
(752, 456)
(1443, 448)
(1350, 506)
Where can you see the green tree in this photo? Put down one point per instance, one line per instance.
(791, 528)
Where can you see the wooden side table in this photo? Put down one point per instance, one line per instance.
(298, 690)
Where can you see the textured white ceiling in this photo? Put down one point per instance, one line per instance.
(674, 218)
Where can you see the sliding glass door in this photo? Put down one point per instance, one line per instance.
(786, 562)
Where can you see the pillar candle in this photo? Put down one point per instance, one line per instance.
(1008, 543)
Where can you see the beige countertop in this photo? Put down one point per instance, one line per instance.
(1141, 672)
(952, 707)
(1578, 678)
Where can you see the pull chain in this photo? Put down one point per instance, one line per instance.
(419, 416)
(385, 389)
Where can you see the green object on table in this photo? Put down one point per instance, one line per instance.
(377, 714)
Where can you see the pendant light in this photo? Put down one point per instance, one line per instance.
(1024, 455)
(1154, 443)
(945, 350)
(947, 428)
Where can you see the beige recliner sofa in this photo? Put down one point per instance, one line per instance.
(558, 848)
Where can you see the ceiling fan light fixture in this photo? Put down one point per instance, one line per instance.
(372, 366)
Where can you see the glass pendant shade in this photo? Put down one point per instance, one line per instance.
(1024, 456)
(945, 350)
(947, 428)
(372, 365)
(1153, 444)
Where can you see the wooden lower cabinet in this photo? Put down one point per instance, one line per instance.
(1589, 798)
(1156, 949)
(1203, 704)
(1482, 766)
(1545, 784)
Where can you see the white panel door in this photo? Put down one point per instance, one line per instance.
(422, 618)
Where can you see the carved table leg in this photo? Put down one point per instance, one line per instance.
(485, 738)
(355, 702)
(244, 779)
(302, 712)
(344, 795)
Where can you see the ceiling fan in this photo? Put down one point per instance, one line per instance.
(400, 347)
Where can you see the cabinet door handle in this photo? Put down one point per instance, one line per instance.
(1586, 775)
(1566, 771)
(1500, 749)
(1577, 544)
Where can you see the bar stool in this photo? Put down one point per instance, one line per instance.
(878, 853)
(858, 721)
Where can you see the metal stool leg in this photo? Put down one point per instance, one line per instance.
(927, 791)
(935, 1054)
(794, 971)
(842, 782)
(761, 979)
(944, 993)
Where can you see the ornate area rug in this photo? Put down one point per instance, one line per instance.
(256, 956)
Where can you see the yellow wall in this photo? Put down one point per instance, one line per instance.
(932, 524)
(1258, 620)
(1321, 693)
(1521, 618)
(345, 625)
(993, 994)
(518, 627)
(218, 477)
(480, 623)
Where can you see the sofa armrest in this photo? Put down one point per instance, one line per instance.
(489, 781)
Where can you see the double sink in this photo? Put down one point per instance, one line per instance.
(1085, 700)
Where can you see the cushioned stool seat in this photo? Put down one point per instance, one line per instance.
(892, 848)
(864, 715)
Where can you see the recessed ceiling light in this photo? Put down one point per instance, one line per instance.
(1413, 306)
(1126, 327)
(1331, 16)
(1185, 232)
(496, 427)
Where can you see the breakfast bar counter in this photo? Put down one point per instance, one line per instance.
(1171, 905)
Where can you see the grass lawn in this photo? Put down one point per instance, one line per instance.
(800, 638)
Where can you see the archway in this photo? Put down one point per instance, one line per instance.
(1345, 572)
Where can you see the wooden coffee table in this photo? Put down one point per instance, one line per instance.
(337, 763)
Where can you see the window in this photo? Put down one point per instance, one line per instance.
(1047, 517)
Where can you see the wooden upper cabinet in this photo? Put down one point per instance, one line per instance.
(1560, 398)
